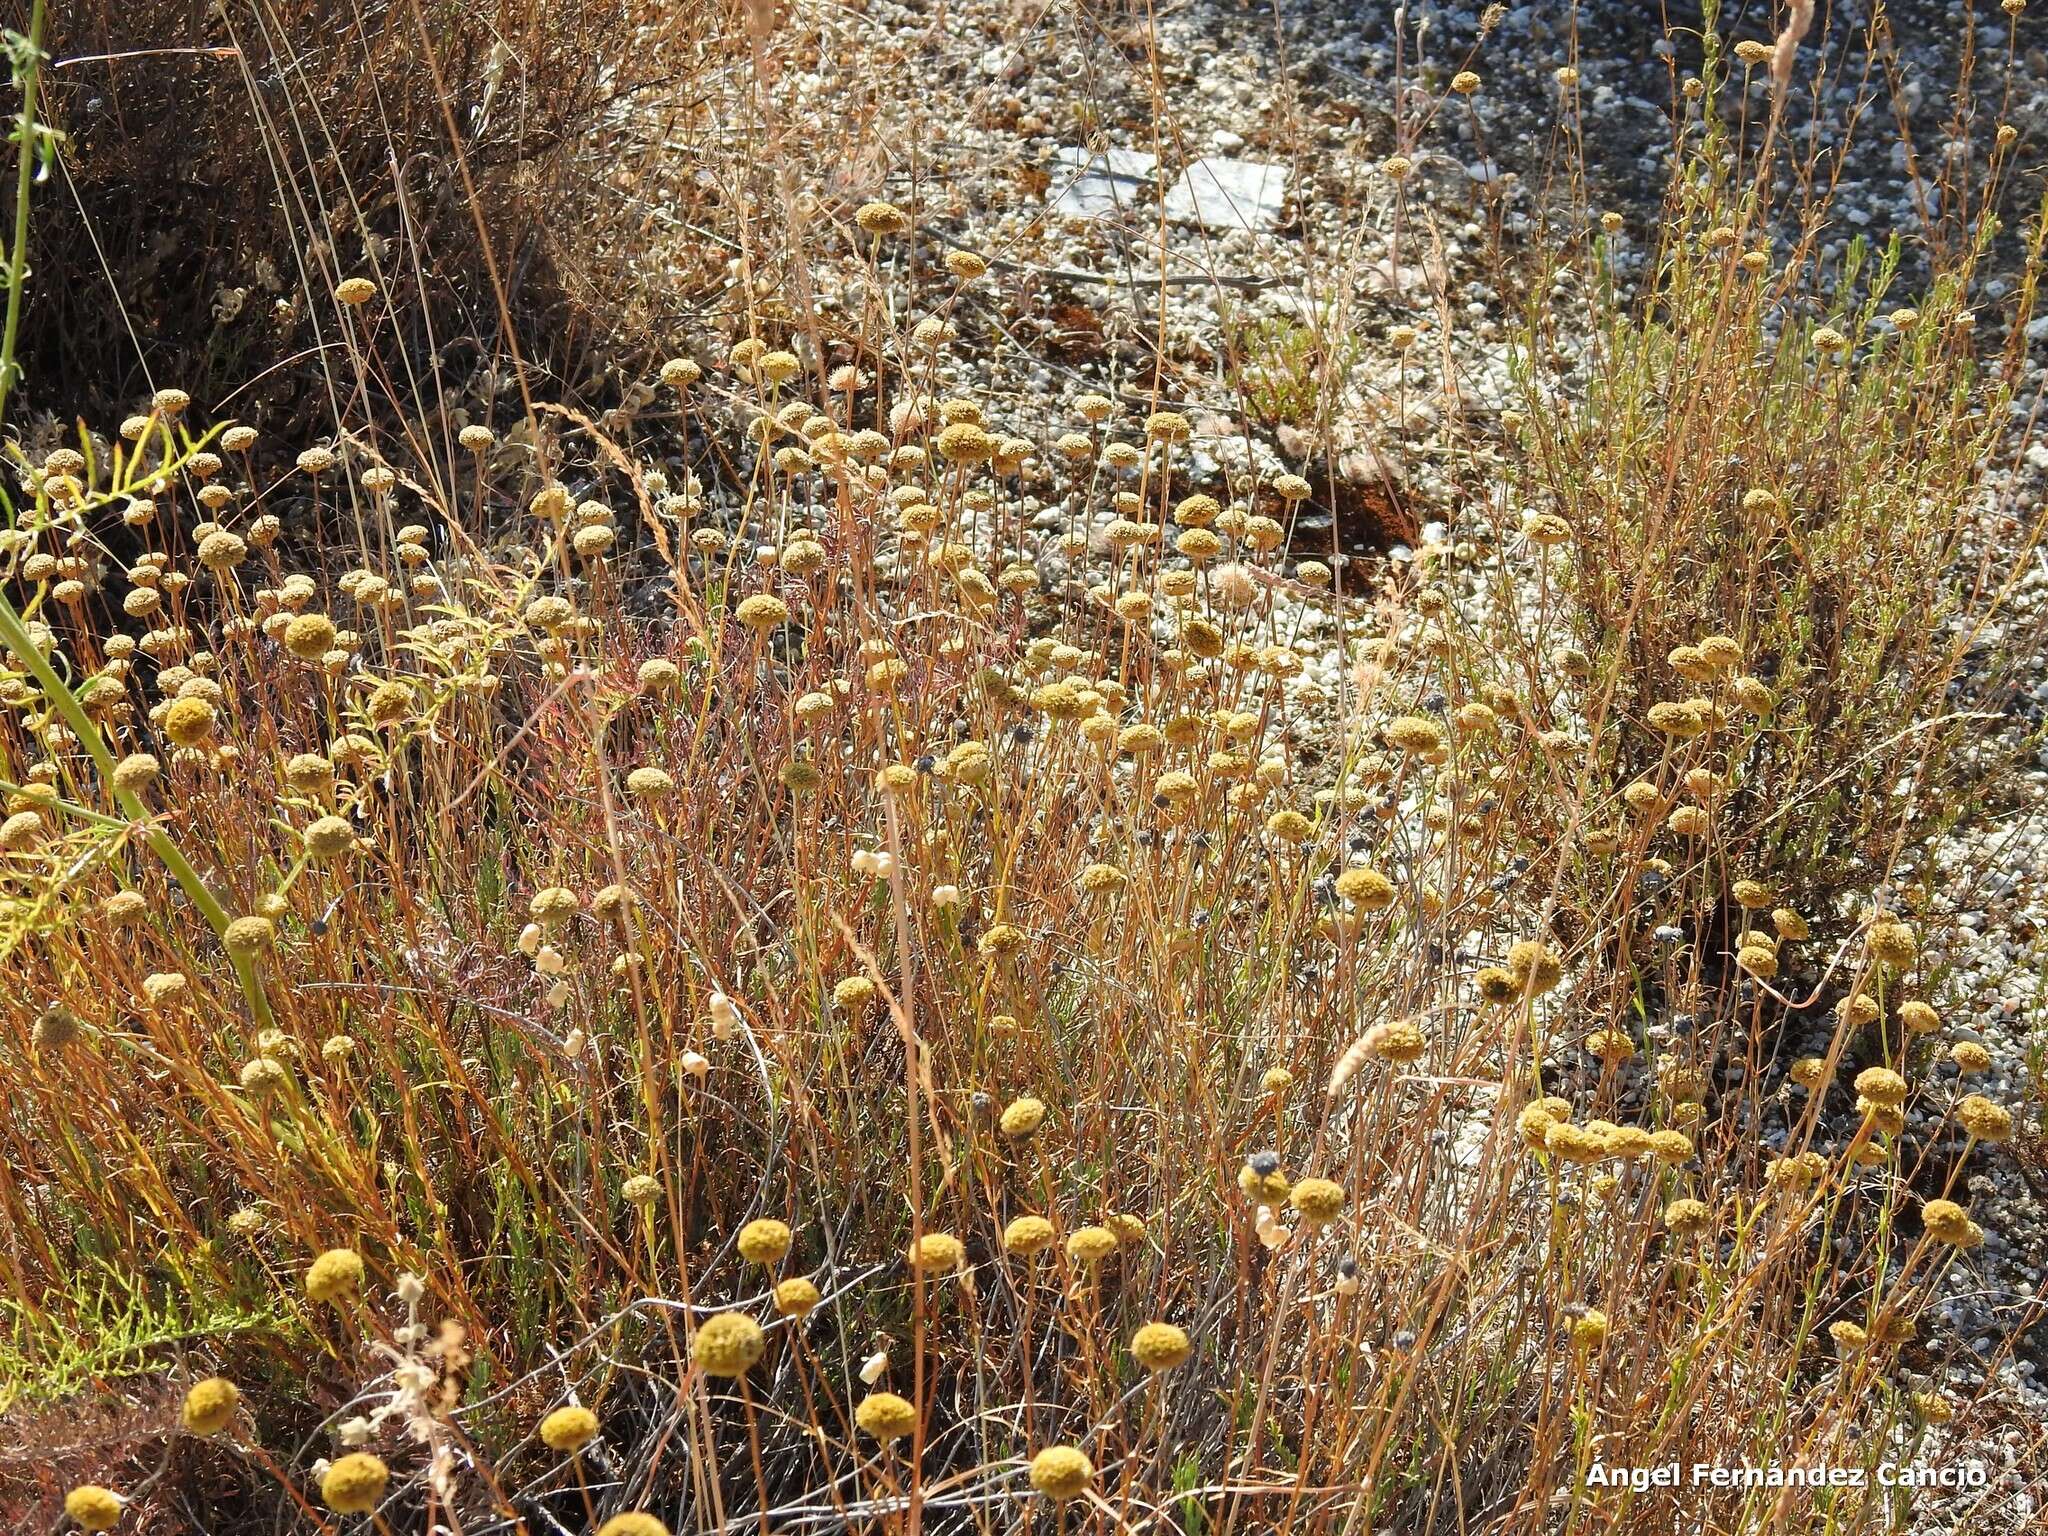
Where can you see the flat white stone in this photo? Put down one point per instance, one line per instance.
(1087, 185)
(1224, 194)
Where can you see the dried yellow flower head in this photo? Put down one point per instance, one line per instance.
(209, 1406)
(1983, 1119)
(762, 612)
(1970, 1058)
(937, 1252)
(764, 1242)
(727, 1344)
(568, 1429)
(1062, 1473)
(354, 1483)
(93, 1508)
(188, 721)
(1027, 1235)
(1160, 1346)
(1091, 1245)
(1366, 889)
(885, 1416)
(1417, 734)
(1021, 1118)
(796, 1297)
(1947, 1222)
(1396, 1040)
(1892, 944)
(879, 219)
(1319, 1201)
(335, 1275)
(1688, 1218)
(1535, 967)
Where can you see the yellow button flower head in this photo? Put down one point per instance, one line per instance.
(727, 1344)
(1366, 888)
(880, 219)
(764, 1242)
(209, 1406)
(1918, 1018)
(1892, 944)
(1021, 1118)
(334, 1275)
(633, 1523)
(1028, 1235)
(354, 1484)
(1688, 1218)
(1160, 1346)
(1535, 966)
(1670, 1146)
(93, 1508)
(762, 612)
(1414, 733)
(189, 721)
(1091, 1245)
(568, 1429)
(885, 1416)
(939, 1252)
(1062, 1473)
(330, 838)
(309, 636)
(1318, 1200)
(1263, 1179)
(1946, 1222)
(1983, 1119)
(1758, 961)
(796, 1297)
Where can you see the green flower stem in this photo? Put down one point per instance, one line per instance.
(24, 179)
